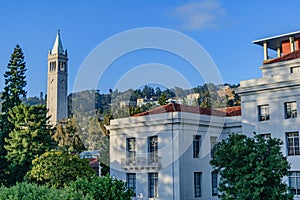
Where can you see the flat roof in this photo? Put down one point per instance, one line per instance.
(275, 41)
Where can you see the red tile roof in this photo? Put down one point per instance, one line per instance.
(286, 57)
(173, 107)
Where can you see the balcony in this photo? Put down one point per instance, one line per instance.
(141, 163)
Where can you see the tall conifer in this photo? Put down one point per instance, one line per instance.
(13, 92)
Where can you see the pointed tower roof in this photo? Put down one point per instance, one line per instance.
(57, 47)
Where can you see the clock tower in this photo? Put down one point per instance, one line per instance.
(57, 82)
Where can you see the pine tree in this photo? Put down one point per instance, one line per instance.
(12, 94)
(14, 80)
(30, 137)
(162, 99)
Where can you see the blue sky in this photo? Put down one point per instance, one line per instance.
(225, 29)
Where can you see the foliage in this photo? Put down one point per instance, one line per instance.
(14, 80)
(58, 169)
(162, 100)
(67, 136)
(28, 191)
(102, 188)
(81, 189)
(147, 92)
(34, 101)
(83, 103)
(30, 137)
(96, 137)
(251, 168)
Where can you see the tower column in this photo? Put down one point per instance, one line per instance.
(278, 52)
(292, 44)
(266, 51)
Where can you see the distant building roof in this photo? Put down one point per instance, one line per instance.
(173, 107)
(89, 154)
(286, 57)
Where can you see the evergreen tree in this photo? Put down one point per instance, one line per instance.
(14, 81)
(162, 99)
(13, 93)
(30, 137)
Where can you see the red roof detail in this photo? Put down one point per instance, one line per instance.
(290, 56)
(173, 107)
(93, 162)
(231, 111)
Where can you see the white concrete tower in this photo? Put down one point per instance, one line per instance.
(57, 82)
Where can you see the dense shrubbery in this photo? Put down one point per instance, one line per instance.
(101, 188)
(58, 169)
(81, 189)
(30, 191)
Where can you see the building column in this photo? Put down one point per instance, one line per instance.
(278, 52)
(292, 44)
(265, 51)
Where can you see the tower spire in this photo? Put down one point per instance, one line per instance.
(57, 47)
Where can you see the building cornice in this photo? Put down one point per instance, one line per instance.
(279, 82)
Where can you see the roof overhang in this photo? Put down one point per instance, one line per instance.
(275, 41)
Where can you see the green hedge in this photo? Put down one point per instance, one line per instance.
(81, 189)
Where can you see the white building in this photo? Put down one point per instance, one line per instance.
(270, 103)
(165, 153)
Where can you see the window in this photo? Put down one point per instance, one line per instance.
(197, 183)
(131, 182)
(153, 149)
(295, 69)
(214, 183)
(153, 185)
(62, 66)
(196, 145)
(213, 142)
(290, 110)
(293, 143)
(266, 136)
(294, 182)
(130, 149)
(52, 66)
(263, 113)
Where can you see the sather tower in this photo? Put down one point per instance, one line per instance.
(57, 82)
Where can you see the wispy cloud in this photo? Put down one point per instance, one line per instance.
(200, 15)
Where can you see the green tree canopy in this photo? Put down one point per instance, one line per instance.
(251, 168)
(30, 137)
(58, 169)
(162, 99)
(14, 80)
(67, 135)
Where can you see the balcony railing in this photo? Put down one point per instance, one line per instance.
(141, 163)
